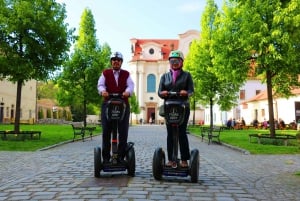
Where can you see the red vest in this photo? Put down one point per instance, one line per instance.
(111, 85)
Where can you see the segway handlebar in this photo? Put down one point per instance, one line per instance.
(115, 95)
(173, 93)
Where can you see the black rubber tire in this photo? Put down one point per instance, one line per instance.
(158, 163)
(130, 157)
(97, 161)
(194, 165)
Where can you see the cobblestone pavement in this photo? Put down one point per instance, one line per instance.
(66, 173)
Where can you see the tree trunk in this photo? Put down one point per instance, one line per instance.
(18, 106)
(194, 114)
(84, 112)
(84, 101)
(211, 112)
(270, 103)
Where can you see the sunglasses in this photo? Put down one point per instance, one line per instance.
(175, 61)
(116, 59)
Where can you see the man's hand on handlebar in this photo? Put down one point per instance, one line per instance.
(106, 94)
(126, 94)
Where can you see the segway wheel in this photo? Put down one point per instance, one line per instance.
(130, 157)
(158, 163)
(194, 165)
(97, 161)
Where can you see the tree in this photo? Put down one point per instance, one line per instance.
(47, 90)
(78, 81)
(269, 31)
(209, 87)
(134, 105)
(33, 42)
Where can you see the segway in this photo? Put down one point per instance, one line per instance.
(115, 112)
(174, 115)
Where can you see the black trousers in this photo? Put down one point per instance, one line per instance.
(182, 138)
(107, 128)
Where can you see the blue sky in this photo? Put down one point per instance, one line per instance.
(117, 21)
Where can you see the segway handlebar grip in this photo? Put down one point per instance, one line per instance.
(115, 95)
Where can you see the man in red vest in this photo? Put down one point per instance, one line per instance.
(115, 80)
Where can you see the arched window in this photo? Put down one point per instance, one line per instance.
(151, 83)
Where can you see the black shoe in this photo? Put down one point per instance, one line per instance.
(106, 161)
(121, 161)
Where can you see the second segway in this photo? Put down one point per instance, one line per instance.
(174, 115)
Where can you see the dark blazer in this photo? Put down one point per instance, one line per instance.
(183, 82)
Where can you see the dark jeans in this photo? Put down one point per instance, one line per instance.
(107, 129)
(182, 138)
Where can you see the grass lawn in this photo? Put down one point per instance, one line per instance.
(240, 138)
(51, 135)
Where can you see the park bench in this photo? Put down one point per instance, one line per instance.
(81, 130)
(211, 133)
(285, 137)
(23, 134)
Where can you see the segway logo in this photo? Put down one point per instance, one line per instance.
(115, 111)
(174, 114)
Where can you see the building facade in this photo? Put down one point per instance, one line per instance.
(251, 88)
(149, 62)
(287, 109)
(8, 93)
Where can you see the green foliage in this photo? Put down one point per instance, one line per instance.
(134, 104)
(34, 41)
(49, 113)
(55, 114)
(41, 114)
(265, 32)
(210, 86)
(78, 81)
(272, 30)
(93, 109)
(47, 90)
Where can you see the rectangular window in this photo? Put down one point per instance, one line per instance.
(7, 112)
(242, 94)
(257, 92)
(262, 112)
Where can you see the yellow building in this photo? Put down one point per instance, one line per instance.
(8, 93)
